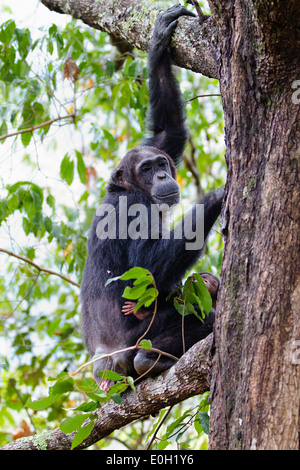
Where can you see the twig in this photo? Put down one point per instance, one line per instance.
(153, 316)
(39, 268)
(150, 368)
(130, 348)
(158, 427)
(38, 126)
(202, 96)
(198, 8)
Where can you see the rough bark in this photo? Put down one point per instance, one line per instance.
(194, 43)
(256, 381)
(188, 377)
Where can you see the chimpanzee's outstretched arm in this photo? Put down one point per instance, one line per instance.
(166, 114)
(169, 258)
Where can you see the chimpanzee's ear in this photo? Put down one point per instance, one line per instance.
(120, 179)
(117, 177)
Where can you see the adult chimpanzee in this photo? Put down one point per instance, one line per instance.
(145, 176)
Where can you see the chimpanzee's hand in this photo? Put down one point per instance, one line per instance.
(128, 309)
(166, 24)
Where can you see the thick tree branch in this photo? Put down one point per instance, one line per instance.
(190, 376)
(194, 44)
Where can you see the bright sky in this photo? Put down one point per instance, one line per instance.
(30, 12)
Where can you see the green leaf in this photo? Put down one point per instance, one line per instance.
(82, 434)
(130, 382)
(134, 273)
(133, 69)
(37, 196)
(3, 129)
(112, 279)
(145, 281)
(142, 276)
(145, 344)
(13, 203)
(98, 397)
(110, 375)
(110, 138)
(24, 40)
(81, 168)
(26, 138)
(202, 294)
(163, 444)
(51, 201)
(26, 226)
(48, 224)
(53, 327)
(63, 386)
(67, 169)
(179, 305)
(110, 68)
(88, 407)
(134, 292)
(7, 31)
(86, 385)
(117, 398)
(72, 423)
(146, 299)
(204, 421)
(3, 209)
(117, 388)
(43, 403)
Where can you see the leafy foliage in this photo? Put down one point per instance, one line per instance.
(194, 292)
(61, 133)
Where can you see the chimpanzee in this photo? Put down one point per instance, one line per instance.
(146, 178)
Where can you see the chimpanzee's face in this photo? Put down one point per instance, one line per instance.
(152, 172)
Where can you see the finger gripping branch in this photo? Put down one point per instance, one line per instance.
(167, 22)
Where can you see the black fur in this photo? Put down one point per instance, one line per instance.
(106, 328)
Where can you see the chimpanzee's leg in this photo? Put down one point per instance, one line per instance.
(146, 362)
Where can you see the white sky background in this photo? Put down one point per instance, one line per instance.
(28, 12)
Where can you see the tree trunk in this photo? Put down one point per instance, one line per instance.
(256, 375)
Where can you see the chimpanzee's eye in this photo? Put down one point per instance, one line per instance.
(146, 168)
(163, 163)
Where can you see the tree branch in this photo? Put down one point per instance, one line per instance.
(194, 45)
(39, 268)
(190, 376)
(38, 126)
